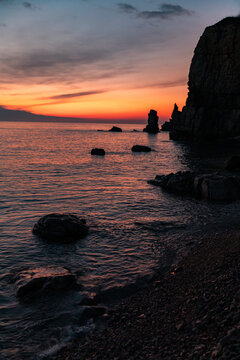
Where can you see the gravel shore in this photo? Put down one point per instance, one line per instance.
(191, 313)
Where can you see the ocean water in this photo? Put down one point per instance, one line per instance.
(136, 229)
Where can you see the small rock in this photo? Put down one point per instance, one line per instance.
(97, 151)
(141, 148)
(115, 129)
(38, 281)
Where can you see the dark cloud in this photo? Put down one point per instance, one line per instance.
(127, 8)
(166, 11)
(77, 94)
(27, 5)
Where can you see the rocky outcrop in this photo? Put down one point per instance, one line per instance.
(97, 151)
(212, 108)
(212, 187)
(60, 227)
(141, 148)
(115, 129)
(39, 281)
(152, 126)
(168, 125)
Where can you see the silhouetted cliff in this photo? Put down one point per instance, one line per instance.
(213, 105)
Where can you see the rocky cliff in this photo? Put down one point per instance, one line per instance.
(213, 105)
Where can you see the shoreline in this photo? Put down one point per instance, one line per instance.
(191, 313)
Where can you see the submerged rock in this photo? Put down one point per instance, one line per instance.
(152, 126)
(60, 227)
(97, 151)
(115, 129)
(141, 148)
(212, 187)
(212, 108)
(38, 281)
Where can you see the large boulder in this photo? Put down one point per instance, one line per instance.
(212, 187)
(152, 126)
(181, 183)
(115, 129)
(40, 281)
(60, 227)
(212, 108)
(97, 151)
(141, 148)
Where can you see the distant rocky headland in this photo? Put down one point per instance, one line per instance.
(212, 109)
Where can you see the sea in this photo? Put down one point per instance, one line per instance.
(136, 230)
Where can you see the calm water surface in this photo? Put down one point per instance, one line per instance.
(135, 228)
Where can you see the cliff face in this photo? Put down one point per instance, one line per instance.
(213, 104)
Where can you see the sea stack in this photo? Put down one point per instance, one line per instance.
(152, 125)
(212, 108)
(168, 125)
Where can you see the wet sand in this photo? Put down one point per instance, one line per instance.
(191, 313)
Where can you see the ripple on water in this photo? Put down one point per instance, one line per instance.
(135, 228)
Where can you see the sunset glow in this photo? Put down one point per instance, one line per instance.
(109, 60)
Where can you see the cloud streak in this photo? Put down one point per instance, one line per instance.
(75, 95)
(127, 8)
(166, 11)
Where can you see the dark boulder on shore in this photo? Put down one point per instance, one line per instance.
(152, 126)
(212, 108)
(212, 187)
(141, 148)
(115, 129)
(31, 283)
(60, 227)
(97, 151)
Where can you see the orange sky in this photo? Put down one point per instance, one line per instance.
(114, 60)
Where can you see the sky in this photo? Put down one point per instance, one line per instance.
(107, 59)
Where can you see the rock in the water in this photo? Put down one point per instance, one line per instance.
(141, 148)
(233, 164)
(181, 183)
(39, 281)
(115, 129)
(168, 125)
(60, 227)
(212, 108)
(152, 126)
(97, 151)
(212, 187)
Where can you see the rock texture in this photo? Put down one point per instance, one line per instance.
(141, 148)
(152, 126)
(212, 108)
(60, 227)
(212, 187)
(36, 282)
